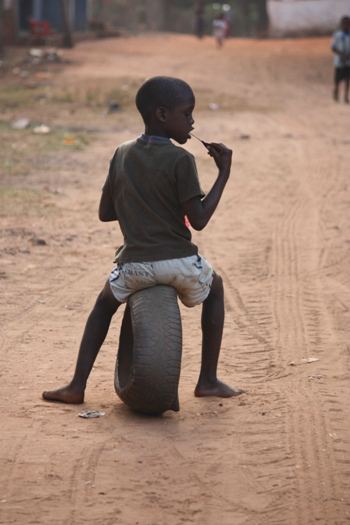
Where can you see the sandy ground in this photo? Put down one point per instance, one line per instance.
(279, 454)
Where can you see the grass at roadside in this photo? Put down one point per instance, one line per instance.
(25, 202)
(23, 150)
(90, 95)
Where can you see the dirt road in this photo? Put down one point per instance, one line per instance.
(279, 454)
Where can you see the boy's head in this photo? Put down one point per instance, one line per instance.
(345, 23)
(166, 105)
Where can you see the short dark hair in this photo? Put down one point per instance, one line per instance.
(345, 20)
(161, 91)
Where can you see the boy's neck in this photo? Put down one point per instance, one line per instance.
(155, 131)
(154, 139)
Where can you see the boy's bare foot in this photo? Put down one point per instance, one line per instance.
(217, 389)
(67, 394)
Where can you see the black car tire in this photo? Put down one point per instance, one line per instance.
(148, 364)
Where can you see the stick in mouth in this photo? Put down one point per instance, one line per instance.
(205, 144)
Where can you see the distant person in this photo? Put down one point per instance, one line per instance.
(341, 50)
(220, 29)
(151, 186)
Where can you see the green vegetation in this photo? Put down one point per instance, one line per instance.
(96, 95)
(15, 95)
(20, 147)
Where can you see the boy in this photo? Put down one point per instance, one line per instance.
(151, 185)
(341, 50)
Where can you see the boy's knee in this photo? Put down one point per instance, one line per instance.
(106, 301)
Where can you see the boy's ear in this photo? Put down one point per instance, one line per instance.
(162, 113)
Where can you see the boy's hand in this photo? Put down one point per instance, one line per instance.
(221, 155)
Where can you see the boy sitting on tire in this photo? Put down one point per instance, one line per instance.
(151, 186)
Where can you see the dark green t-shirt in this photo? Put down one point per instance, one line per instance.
(148, 183)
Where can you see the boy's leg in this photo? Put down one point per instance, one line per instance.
(96, 329)
(347, 84)
(213, 315)
(336, 91)
(336, 84)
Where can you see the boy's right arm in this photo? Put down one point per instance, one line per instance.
(106, 211)
(200, 211)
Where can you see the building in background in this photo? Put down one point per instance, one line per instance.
(17, 14)
(248, 18)
(305, 17)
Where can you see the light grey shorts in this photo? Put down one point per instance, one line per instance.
(190, 276)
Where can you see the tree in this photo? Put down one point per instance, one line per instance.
(199, 18)
(67, 33)
(2, 50)
(263, 18)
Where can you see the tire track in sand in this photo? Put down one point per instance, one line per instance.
(299, 328)
(257, 360)
(299, 312)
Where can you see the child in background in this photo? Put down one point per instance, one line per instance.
(220, 29)
(341, 50)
